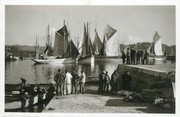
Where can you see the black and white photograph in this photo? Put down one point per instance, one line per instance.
(90, 59)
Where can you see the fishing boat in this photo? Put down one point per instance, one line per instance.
(155, 49)
(9, 55)
(109, 50)
(33, 93)
(64, 50)
(86, 55)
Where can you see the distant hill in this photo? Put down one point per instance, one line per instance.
(29, 51)
(22, 50)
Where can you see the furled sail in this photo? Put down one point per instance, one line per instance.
(86, 43)
(103, 49)
(36, 50)
(50, 38)
(97, 44)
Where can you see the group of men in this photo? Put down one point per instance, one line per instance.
(115, 81)
(135, 57)
(69, 83)
(104, 81)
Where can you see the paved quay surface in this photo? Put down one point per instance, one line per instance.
(158, 67)
(91, 102)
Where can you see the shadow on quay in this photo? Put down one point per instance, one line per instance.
(141, 106)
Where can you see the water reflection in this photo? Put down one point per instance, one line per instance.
(44, 73)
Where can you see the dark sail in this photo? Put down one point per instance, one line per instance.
(109, 32)
(103, 51)
(73, 51)
(61, 42)
(97, 44)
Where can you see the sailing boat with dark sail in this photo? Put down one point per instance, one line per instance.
(64, 49)
(155, 49)
(110, 48)
(86, 55)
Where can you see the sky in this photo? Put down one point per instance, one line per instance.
(133, 23)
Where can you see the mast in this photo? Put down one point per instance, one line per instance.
(37, 48)
(83, 53)
(97, 44)
(64, 37)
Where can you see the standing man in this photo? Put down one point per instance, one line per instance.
(113, 82)
(100, 88)
(141, 55)
(82, 82)
(59, 79)
(146, 57)
(126, 78)
(23, 83)
(133, 54)
(68, 79)
(128, 56)
(123, 57)
(107, 82)
(138, 56)
(74, 82)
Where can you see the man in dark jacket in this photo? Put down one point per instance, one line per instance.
(101, 82)
(133, 54)
(146, 57)
(126, 81)
(74, 82)
(59, 79)
(123, 57)
(107, 82)
(138, 56)
(128, 56)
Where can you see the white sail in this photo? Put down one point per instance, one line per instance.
(80, 46)
(112, 46)
(157, 45)
(155, 48)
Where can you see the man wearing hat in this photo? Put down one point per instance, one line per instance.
(59, 79)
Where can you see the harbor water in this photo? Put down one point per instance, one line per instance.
(44, 73)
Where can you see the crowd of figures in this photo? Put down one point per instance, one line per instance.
(69, 83)
(132, 56)
(116, 82)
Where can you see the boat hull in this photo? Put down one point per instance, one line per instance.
(17, 104)
(156, 58)
(108, 59)
(88, 59)
(48, 61)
